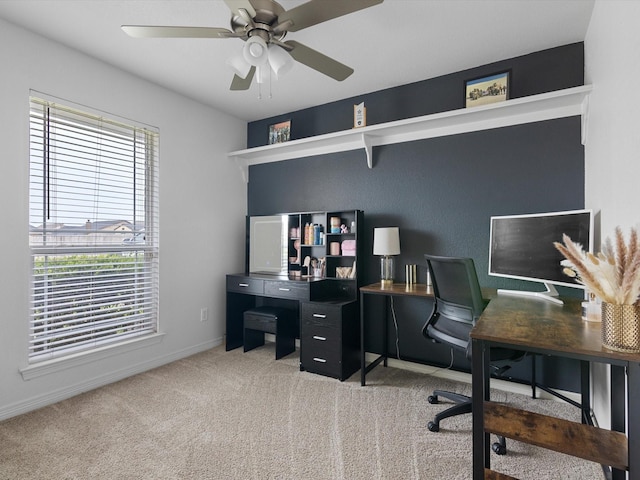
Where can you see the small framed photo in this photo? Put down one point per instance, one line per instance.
(280, 132)
(485, 90)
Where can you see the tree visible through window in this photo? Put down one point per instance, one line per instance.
(93, 220)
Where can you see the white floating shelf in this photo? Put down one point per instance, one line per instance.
(535, 108)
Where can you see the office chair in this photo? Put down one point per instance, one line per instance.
(458, 305)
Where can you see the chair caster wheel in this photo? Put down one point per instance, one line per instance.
(432, 399)
(434, 427)
(499, 449)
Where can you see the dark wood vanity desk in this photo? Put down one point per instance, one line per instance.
(329, 340)
(246, 291)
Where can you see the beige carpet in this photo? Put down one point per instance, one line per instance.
(234, 415)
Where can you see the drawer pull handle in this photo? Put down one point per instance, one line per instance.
(317, 337)
(321, 360)
(243, 284)
(284, 289)
(319, 315)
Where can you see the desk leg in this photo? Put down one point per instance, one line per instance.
(633, 393)
(585, 392)
(480, 392)
(237, 304)
(363, 370)
(618, 422)
(385, 328)
(533, 375)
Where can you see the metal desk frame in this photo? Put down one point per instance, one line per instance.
(397, 289)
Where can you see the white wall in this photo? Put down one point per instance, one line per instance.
(613, 144)
(202, 209)
(612, 152)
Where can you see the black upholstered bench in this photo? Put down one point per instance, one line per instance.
(278, 321)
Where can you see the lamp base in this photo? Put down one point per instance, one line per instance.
(386, 271)
(386, 283)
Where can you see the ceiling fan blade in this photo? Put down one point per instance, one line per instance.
(318, 61)
(143, 31)
(241, 8)
(318, 11)
(239, 83)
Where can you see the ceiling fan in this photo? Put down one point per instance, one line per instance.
(262, 25)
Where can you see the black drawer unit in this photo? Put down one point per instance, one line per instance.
(330, 338)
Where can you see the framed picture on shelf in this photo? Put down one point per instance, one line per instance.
(280, 132)
(488, 89)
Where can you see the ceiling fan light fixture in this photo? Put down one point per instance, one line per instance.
(262, 74)
(255, 51)
(280, 60)
(239, 66)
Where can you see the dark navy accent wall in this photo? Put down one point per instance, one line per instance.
(539, 72)
(442, 191)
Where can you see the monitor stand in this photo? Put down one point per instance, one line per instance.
(549, 295)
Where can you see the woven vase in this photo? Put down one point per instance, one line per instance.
(621, 327)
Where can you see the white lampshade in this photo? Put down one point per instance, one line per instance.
(280, 60)
(255, 51)
(386, 241)
(239, 65)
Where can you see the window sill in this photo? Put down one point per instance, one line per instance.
(71, 361)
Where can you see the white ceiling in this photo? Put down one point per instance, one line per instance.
(394, 43)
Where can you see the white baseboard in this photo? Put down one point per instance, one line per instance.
(69, 391)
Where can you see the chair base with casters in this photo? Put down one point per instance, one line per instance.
(462, 405)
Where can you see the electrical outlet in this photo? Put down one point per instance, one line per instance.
(204, 314)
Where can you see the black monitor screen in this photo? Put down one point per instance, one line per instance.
(521, 246)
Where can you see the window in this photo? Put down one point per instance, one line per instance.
(93, 221)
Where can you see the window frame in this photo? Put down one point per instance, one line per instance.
(145, 253)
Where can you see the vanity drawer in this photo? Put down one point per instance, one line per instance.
(295, 290)
(242, 284)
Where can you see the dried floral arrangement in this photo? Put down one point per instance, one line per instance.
(613, 275)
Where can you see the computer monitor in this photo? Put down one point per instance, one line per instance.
(521, 247)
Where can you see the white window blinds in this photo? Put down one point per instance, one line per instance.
(93, 218)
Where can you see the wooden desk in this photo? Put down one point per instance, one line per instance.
(397, 289)
(541, 327)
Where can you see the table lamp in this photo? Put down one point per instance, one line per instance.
(386, 242)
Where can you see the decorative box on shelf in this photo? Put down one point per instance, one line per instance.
(349, 248)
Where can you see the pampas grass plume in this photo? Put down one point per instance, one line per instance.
(613, 275)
